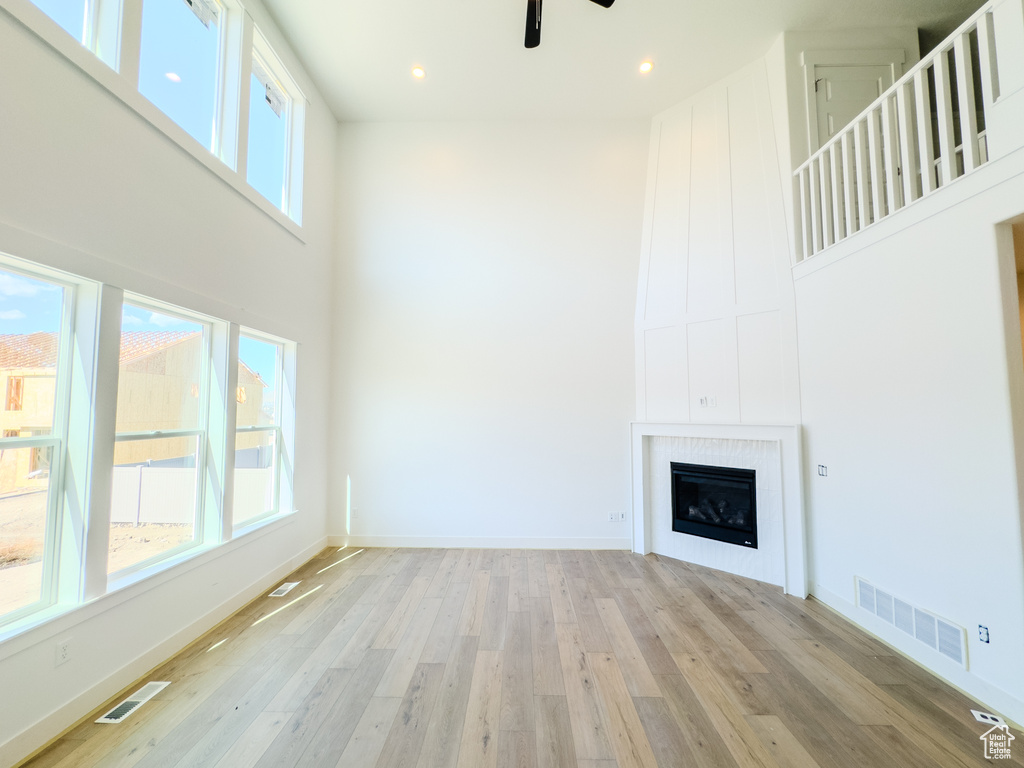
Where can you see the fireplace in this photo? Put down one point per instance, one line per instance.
(715, 502)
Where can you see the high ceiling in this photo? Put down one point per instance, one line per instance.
(361, 53)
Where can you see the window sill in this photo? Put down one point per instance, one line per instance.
(25, 13)
(250, 527)
(58, 619)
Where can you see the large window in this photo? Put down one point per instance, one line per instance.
(258, 428)
(159, 453)
(180, 62)
(102, 485)
(33, 332)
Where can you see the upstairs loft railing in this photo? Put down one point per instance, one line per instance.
(939, 122)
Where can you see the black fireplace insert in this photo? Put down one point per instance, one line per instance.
(715, 502)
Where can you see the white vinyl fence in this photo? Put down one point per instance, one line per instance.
(144, 494)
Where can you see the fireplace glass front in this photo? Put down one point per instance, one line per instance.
(715, 502)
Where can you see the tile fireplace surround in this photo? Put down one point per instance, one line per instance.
(773, 452)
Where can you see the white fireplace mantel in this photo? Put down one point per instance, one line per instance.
(781, 557)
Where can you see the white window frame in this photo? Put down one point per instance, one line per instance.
(101, 26)
(230, 24)
(282, 428)
(60, 550)
(295, 118)
(76, 553)
(102, 33)
(205, 531)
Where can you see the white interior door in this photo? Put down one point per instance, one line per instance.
(842, 93)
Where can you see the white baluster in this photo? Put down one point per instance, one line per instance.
(875, 163)
(965, 92)
(925, 142)
(835, 164)
(947, 151)
(863, 176)
(849, 183)
(825, 174)
(989, 67)
(905, 113)
(806, 243)
(893, 188)
(816, 194)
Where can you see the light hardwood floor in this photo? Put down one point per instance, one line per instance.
(480, 658)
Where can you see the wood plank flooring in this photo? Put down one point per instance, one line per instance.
(532, 659)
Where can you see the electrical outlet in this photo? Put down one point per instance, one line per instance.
(983, 634)
(703, 402)
(63, 652)
(987, 717)
(613, 517)
(822, 470)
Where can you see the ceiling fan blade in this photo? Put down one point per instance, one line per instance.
(533, 23)
(605, 3)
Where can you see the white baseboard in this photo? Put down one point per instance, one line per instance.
(478, 542)
(25, 744)
(995, 699)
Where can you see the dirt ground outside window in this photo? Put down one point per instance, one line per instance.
(22, 523)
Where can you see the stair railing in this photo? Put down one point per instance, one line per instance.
(933, 126)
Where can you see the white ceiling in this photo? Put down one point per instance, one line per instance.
(360, 53)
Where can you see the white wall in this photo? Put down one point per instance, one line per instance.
(912, 382)
(898, 370)
(714, 308)
(88, 186)
(485, 297)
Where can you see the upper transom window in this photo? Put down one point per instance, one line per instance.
(179, 63)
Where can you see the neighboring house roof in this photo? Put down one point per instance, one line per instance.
(136, 344)
(31, 350)
(39, 350)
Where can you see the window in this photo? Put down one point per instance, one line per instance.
(276, 117)
(93, 23)
(188, 59)
(258, 432)
(170, 429)
(180, 60)
(160, 442)
(170, 433)
(33, 320)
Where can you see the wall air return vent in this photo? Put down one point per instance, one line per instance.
(284, 589)
(132, 703)
(938, 634)
(866, 596)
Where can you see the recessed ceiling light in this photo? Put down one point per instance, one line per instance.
(174, 77)
(646, 67)
(418, 73)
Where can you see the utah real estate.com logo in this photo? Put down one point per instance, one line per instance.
(997, 738)
(997, 743)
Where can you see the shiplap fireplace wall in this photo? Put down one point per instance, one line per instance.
(773, 452)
